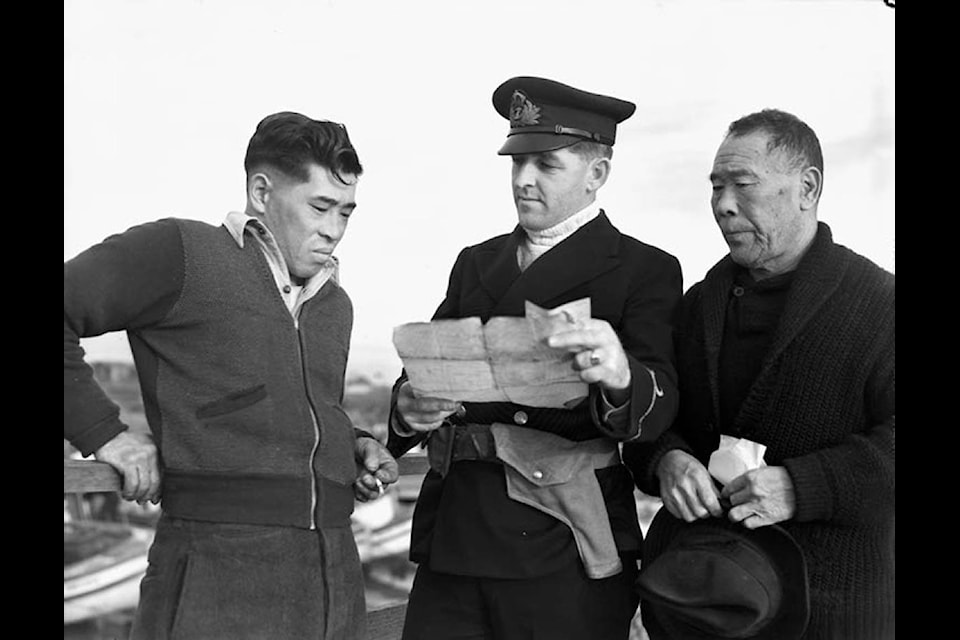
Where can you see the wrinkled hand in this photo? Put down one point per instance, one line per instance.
(423, 414)
(761, 497)
(134, 455)
(596, 339)
(686, 487)
(376, 469)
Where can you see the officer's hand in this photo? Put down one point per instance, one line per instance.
(134, 455)
(761, 497)
(686, 487)
(376, 469)
(423, 414)
(600, 357)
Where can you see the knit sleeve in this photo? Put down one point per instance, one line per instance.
(853, 482)
(127, 282)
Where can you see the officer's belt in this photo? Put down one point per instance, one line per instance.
(451, 443)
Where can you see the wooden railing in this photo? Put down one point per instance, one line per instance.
(86, 476)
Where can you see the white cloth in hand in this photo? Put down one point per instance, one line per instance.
(734, 457)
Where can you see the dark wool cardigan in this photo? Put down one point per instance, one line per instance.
(230, 383)
(824, 404)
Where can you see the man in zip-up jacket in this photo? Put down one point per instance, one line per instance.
(240, 335)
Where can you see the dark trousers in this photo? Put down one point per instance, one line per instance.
(210, 581)
(566, 605)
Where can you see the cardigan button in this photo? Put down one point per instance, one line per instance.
(738, 291)
(520, 417)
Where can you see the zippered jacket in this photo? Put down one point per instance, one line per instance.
(244, 401)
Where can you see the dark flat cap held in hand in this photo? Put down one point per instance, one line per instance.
(716, 579)
(546, 115)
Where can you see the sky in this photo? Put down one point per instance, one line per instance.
(162, 96)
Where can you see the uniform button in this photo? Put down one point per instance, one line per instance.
(520, 417)
(738, 291)
(461, 411)
(538, 474)
(286, 288)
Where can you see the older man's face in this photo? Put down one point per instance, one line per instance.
(549, 187)
(756, 203)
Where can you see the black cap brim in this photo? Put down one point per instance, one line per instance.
(521, 143)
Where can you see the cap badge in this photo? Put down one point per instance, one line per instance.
(523, 113)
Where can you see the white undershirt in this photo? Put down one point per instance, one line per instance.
(538, 242)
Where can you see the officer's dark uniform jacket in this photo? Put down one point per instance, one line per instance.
(465, 523)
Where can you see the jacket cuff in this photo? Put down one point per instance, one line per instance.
(400, 437)
(607, 408)
(399, 425)
(98, 435)
(646, 421)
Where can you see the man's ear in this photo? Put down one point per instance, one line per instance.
(597, 174)
(811, 184)
(259, 187)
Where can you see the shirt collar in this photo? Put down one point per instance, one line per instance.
(238, 223)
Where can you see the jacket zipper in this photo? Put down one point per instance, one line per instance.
(316, 426)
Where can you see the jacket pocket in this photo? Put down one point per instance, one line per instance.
(232, 402)
(542, 458)
(237, 434)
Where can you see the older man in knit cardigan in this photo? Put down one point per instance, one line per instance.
(788, 342)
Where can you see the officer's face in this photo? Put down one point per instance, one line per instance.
(309, 218)
(549, 187)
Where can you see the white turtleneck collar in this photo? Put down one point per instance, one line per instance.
(536, 243)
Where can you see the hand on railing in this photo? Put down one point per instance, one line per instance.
(134, 455)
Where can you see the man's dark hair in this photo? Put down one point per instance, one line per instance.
(787, 132)
(289, 142)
